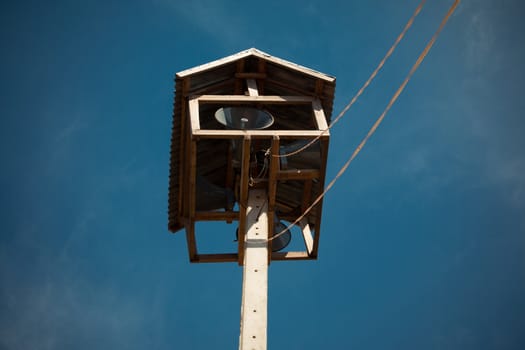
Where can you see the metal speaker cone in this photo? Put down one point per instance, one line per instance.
(244, 118)
(309, 158)
(212, 197)
(283, 240)
(280, 242)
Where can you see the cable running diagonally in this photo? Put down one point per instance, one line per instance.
(365, 85)
(379, 120)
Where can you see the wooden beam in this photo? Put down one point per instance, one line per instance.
(243, 195)
(194, 115)
(298, 174)
(227, 216)
(319, 87)
(250, 75)
(307, 194)
(216, 258)
(261, 67)
(190, 240)
(213, 87)
(240, 99)
(319, 206)
(260, 54)
(229, 134)
(272, 189)
(190, 229)
(252, 87)
(291, 256)
(288, 86)
(319, 116)
(192, 179)
(238, 90)
(229, 169)
(307, 235)
(183, 151)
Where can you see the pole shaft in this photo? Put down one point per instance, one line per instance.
(255, 274)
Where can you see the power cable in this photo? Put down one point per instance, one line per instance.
(379, 120)
(365, 85)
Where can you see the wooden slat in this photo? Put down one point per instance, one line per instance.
(319, 116)
(238, 90)
(319, 87)
(261, 55)
(289, 87)
(185, 168)
(190, 230)
(216, 258)
(182, 150)
(229, 170)
(272, 190)
(261, 67)
(229, 134)
(233, 99)
(227, 216)
(307, 235)
(319, 206)
(194, 114)
(190, 240)
(210, 78)
(307, 194)
(250, 75)
(298, 174)
(243, 194)
(252, 87)
(291, 256)
(216, 87)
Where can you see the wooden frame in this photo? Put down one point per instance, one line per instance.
(275, 174)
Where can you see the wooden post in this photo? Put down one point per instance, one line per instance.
(255, 274)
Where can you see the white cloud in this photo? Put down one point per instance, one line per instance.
(213, 18)
(480, 40)
(59, 313)
(486, 109)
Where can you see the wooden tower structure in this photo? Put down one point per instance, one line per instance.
(234, 122)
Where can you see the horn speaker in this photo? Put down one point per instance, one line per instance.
(212, 197)
(244, 118)
(284, 239)
(309, 158)
(280, 242)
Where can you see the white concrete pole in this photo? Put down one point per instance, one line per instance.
(255, 274)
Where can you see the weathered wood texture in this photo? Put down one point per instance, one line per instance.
(300, 100)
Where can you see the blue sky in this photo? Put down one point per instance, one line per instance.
(423, 239)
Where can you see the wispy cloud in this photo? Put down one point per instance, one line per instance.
(480, 38)
(484, 56)
(474, 137)
(59, 144)
(213, 18)
(66, 312)
(101, 192)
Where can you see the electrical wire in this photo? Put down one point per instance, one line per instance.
(374, 127)
(365, 85)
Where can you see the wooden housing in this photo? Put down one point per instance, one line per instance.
(299, 99)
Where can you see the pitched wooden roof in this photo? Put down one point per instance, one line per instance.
(227, 76)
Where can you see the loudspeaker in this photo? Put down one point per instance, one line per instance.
(280, 242)
(309, 158)
(244, 118)
(212, 197)
(284, 239)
